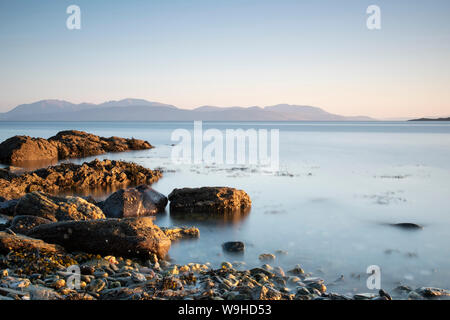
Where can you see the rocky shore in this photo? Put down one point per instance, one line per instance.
(55, 246)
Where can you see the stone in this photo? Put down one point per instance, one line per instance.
(233, 246)
(69, 177)
(134, 202)
(57, 208)
(23, 224)
(407, 226)
(9, 242)
(209, 200)
(266, 293)
(128, 237)
(266, 257)
(8, 207)
(18, 149)
(429, 292)
(181, 233)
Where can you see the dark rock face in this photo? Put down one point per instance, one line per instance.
(57, 208)
(7, 208)
(209, 200)
(129, 237)
(69, 176)
(23, 224)
(234, 246)
(23, 148)
(66, 144)
(134, 202)
(9, 242)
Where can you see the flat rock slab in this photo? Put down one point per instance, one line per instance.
(64, 145)
(209, 200)
(10, 242)
(70, 176)
(128, 237)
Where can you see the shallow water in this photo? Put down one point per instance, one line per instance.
(340, 186)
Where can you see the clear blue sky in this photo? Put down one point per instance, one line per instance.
(226, 52)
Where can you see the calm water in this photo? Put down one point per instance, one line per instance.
(339, 187)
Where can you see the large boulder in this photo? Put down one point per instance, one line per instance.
(56, 208)
(129, 237)
(134, 202)
(209, 200)
(64, 145)
(7, 208)
(69, 176)
(22, 148)
(11, 242)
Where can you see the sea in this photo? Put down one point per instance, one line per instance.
(329, 207)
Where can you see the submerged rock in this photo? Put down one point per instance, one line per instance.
(209, 200)
(128, 237)
(407, 226)
(64, 145)
(70, 176)
(134, 202)
(57, 208)
(233, 246)
(179, 233)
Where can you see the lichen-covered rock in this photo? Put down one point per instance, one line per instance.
(23, 224)
(128, 237)
(209, 200)
(134, 202)
(64, 145)
(10, 242)
(70, 176)
(56, 208)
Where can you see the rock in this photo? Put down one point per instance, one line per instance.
(134, 202)
(233, 246)
(384, 294)
(73, 177)
(64, 145)
(179, 233)
(9, 242)
(128, 237)
(429, 292)
(23, 224)
(18, 149)
(407, 226)
(266, 293)
(297, 270)
(7, 207)
(57, 208)
(75, 144)
(364, 296)
(266, 257)
(209, 200)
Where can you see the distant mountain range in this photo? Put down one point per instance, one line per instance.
(430, 119)
(142, 110)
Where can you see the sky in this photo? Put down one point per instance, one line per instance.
(192, 53)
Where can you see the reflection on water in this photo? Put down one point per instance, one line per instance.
(339, 186)
(217, 220)
(30, 165)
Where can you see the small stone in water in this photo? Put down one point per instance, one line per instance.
(226, 265)
(266, 256)
(233, 246)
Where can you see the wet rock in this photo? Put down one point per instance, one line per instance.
(57, 208)
(384, 294)
(9, 242)
(209, 200)
(297, 270)
(266, 293)
(407, 226)
(180, 233)
(266, 257)
(7, 207)
(429, 292)
(364, 296)
(128, 237)
(134, 202)
(23, 224)
(233, 246)
(70, 177)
